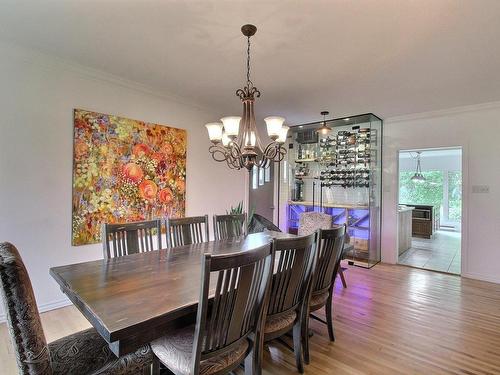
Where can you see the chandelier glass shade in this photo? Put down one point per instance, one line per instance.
(235, 139)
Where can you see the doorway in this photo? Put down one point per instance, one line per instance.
(430, 209)
(261, 196)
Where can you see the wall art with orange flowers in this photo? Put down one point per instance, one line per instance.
(124, 170)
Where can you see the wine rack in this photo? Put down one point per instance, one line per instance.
(346, 158)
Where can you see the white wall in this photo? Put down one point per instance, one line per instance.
(37, 97)
(477, 130)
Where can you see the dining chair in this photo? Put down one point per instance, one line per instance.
(348, 248)
(229, 226)
(289, 293)
(130, 238)
(229, 313)
(259, 223)
(309, 222)
(186, 230)
(84, 352)
(330, 245)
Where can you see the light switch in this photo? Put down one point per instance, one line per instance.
(480, 189)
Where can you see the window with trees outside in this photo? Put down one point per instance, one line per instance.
(443, 190)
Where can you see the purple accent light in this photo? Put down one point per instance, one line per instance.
(358, 219)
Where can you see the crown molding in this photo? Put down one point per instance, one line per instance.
(55, 63)
(444, 112)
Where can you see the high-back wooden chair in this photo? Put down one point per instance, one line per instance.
(310, 222)
(219, 341)
(187, 230)
(131, 238)
(330, 245)
(289, 292)
(229, 226)
(83, 352)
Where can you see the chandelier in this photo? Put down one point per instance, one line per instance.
(235, 140)
(418, 176)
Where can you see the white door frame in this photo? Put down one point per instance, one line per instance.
(464, 243)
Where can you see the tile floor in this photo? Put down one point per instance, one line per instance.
(442, 253)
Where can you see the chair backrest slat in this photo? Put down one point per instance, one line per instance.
(241, 283)
(150, 237)
(330, 247)
(229, 226)
(130, 238)
(292, 273)
(187, 230)
(143, 242)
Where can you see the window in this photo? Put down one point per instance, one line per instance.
(443, 190)
(267, 174)
(285, 171)
(255, 175)
(455, 196)
(261, 176)
(429, 192)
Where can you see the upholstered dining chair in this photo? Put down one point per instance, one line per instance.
(229, 226)
(130, 238)
(220, 340)
(289, 293)
(330, 245)
(187, 230)
(309, 222)
(259, 223)
(82, 353)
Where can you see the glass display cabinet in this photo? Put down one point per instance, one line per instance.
(338, 173)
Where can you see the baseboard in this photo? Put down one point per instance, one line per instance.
(477, 276)
(44, 307)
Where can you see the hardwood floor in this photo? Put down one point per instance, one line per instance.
(390, 320)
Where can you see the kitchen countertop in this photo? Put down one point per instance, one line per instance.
(405, 208)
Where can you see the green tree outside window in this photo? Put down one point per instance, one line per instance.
(429, 192)
(455, 195)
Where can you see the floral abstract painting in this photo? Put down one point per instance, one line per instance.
(124, 170)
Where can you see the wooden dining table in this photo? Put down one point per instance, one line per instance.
(134, 299)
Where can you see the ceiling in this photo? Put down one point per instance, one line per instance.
(389, 57)
(431, 153)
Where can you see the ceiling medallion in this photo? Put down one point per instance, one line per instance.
(235, 140)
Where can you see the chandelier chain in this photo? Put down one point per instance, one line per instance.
(243, 148)
(249, 82)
